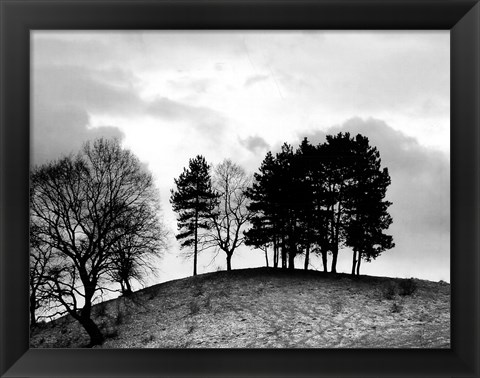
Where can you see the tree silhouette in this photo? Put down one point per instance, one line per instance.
(366, 207)
(82, 207)
(194, 200)
(304, 184)
(319, 199)
(265, 208)
(338, 160)
(230, 183)
(40, 258)
(134, 254)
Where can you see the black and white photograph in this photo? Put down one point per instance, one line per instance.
(240, 189)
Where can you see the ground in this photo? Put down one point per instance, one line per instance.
(269, 308)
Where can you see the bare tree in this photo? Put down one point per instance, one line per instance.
(40, 257)
(83, 207)
(134, 256)
(230, 182)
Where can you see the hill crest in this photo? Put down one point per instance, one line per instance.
(268, 308)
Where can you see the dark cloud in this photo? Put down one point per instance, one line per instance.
(205, 121)
(65, 97)
(100, 91)
(255, 144)
(420, 175)
(255, 79)
(172, 110)
(420, 192)
(61, 130)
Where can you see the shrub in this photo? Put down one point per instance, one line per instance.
(389, 290)
(194, 308)
(151, 296)
(408, 287)
(396, 308)
(111, 333)
(101, 309)
(119, 318)
(198, 291)
(336, 306)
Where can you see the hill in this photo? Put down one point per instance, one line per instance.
(268, 308)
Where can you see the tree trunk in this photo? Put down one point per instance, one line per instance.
(33, 318)
(85, 317)
(354, 261)
(307, 256)
(284, 254)
(96, 337)
(229, 262)
(128, 288)
(324, 261)
(275, 252)
(291, 259)
(336, 239)
(195, 244)
(358, 262)
(266, 256)
(334, 261)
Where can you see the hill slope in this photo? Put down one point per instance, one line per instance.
(269, 308)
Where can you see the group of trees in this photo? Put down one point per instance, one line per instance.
(319, 198)
(95, 216)
(95, 221)
(212, 211)
(315, 199)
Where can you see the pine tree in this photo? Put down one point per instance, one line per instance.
(194, 200)
(265, 223)
(367, 208)
(337, 156)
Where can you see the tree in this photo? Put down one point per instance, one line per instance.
(194, 200)
(366, 207)
(319, 199)
(338, 158)
(40, 257)
(304, 182)
(288, 194)
(230, 182)
(265, 208)
(83, 207)
(134, 255)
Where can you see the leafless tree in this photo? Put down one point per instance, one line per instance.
(230, 182)
(134, 256)
(40, 256)
(83, 208)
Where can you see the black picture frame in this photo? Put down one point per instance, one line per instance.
(19, 17)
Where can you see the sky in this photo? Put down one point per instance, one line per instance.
(172, 95)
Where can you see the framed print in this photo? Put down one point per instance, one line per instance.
(318, 137)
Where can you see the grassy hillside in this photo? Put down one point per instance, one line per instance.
(269, 308)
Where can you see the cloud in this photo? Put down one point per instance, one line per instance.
(255, 144)
(419, 191)
(420, 187)
(190, 84)
(100, 91)
(66, 98)
(205, 121)
(251, 80)
(61, 130)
